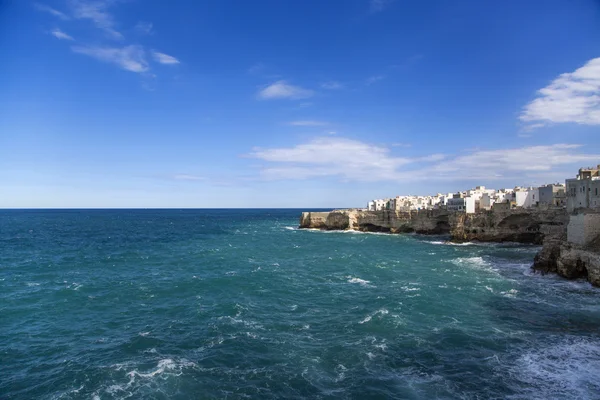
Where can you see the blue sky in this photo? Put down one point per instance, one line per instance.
(307, 103)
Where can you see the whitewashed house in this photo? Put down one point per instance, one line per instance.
(584, 190)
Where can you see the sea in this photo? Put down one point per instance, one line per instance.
(241, 304)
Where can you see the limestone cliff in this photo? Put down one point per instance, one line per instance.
(521, 225)
(570, 260)
(426, 222)
(525, 226)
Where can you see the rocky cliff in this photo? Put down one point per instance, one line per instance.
(425, 222)
(525, 226)
(520, 225)
(569, 260)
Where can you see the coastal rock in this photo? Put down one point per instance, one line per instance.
(425, 222)
(521, 225)
(569, 260)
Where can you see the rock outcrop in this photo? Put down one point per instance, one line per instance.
(569, 260)
(525, 226)
(425, 222)
(521, 225)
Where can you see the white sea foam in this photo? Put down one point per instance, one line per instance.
(446, 243)
(410, 289)
(474, 263)
(510, 293)
(290, 228)
(369, 317)
(164, 365)
(362, 282)
(567, 369)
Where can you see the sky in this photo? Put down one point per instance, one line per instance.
(296, 103)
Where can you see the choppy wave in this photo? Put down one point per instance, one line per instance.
(566, 369)
(240, 304)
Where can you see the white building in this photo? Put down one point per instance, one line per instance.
(487, 201)
(584, 190)
(526, 197)
(461, 204)
(553, 195)
(377, 205)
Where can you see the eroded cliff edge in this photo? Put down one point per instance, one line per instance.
(425, 222)
(524, 226)
(574, 252)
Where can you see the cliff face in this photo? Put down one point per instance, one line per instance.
(426, 222)
(522, 226)
(569, 260)
(525, 226)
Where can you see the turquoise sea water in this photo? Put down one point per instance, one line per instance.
(157, 304)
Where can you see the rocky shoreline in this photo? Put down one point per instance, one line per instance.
(546, 227)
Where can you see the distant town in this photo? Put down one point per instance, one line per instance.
(583, 191)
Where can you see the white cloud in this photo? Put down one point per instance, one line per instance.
(327, 156)
(378, 5)
(143, 28)
(283, 90)
(524, 159)
(129, 58)
(309, 123)
(164, 58)
(376, 78)
(57, 33)
(352, 160)
(97, 13)
(332, 85)
(572, 97)
(50, 10)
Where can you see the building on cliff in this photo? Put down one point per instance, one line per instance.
(584, 190)
(460, 203)
(526, 197)
(553, 195)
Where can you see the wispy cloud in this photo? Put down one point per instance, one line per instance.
(309, 123)
(328, 156)
(143, 28)
(187, 177)
(572, 97)
(57, 33)
(373, 79)
(353, 160)
(283, 90)
(130, 58)
(96, 11)
(332, 85)
(50, 10)
(164, 58)
(376, 6)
